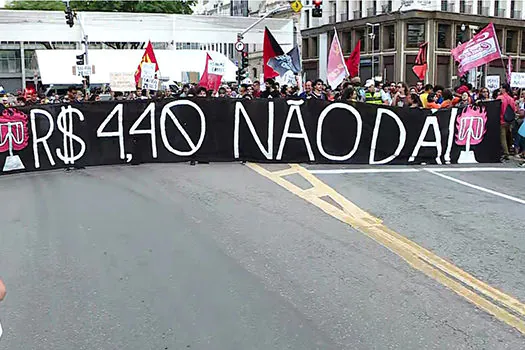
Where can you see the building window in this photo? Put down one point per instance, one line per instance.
(10, 61)
(523, 43)
(315, 48)
(512, 41)
(444, 34)
(346, 43)
(30, 60)
(360, 35)
(410, 77)
(499, 34)
(305, 51)
(415, 34)
(307, 15)
(389, 37)
(443, 71)
(461, 35)
(388, 68)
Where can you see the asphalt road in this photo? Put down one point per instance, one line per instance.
(219, 257)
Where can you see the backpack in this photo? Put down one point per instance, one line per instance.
(509, 115)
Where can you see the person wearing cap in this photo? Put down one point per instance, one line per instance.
(356, 83)
(371, 95)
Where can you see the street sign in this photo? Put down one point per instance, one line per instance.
(239, 46)
(83, 70)
(296, 5)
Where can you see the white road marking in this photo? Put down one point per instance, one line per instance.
(410, 170)
(363, 171)
(479, 188)
(475, 169)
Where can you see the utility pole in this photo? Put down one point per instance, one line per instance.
(372, 39)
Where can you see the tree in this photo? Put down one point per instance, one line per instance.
(181, 7)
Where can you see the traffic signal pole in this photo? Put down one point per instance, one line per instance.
(240, 36)
(70, 16)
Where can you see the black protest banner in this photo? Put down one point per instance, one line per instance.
(57, 136)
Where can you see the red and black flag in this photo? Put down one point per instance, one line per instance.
(420, 65)
(271, 48)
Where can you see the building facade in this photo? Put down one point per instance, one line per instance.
(391, 32)
(23, 32)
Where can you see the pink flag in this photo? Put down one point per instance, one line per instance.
(336, 71)
(212, 76)
(481, 49)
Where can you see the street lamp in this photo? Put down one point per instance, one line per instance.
(372, 36)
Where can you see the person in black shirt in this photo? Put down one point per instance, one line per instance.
(270, 91)
(318, 92)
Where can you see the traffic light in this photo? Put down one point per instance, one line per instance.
(80, 60)
(318, 8)
(69, 17)
(241, 75)
(244, 61)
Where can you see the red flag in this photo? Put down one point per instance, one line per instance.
(353, 61)
(481, 49)
(148, 57)
(209, 80)
(336, 70)
(420, 67)
(270, 49)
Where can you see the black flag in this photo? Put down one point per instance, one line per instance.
(283, 63)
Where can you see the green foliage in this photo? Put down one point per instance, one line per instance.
(182, 7)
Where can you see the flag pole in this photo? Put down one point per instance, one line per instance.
(341, 51)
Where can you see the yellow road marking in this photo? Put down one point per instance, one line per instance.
(511, 311)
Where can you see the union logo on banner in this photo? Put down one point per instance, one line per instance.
(13, 137)
(471, 127)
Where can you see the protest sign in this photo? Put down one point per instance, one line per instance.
(492, 82)
(122, 81)
(517, 80)
(148, 71)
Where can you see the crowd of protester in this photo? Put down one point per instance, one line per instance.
(353, 91)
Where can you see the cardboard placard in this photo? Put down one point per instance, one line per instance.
(122, 81)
